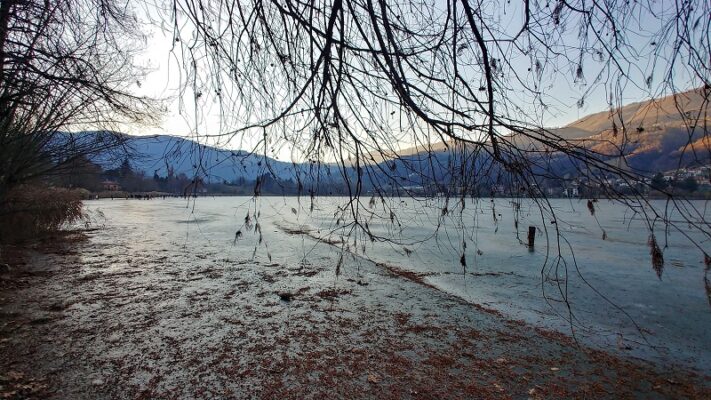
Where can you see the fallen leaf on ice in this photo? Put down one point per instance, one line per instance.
(373, 378)
(15, 375)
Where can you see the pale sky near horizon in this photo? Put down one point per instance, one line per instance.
(163, 82)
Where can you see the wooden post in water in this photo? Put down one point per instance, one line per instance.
(531, 236)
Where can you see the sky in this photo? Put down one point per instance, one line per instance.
(164, 82)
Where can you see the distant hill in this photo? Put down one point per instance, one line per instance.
(156, 154)
(668, 111)
(655, 135)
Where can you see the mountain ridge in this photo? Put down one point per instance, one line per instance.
(647, 136)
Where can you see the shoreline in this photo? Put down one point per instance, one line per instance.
(122, 195)
(639, 344)
(101, 317)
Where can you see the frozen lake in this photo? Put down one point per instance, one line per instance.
(616, 300)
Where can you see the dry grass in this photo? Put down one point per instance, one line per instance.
(30, 211)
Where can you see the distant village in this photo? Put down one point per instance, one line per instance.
(124, 181)
(691, 182)
(688, 181)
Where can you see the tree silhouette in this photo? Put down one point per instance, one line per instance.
(466, 83)
(63, 64)
(417, 98)
(658, 181)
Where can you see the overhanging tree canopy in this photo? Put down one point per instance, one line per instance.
(63, 64)
(350, 82)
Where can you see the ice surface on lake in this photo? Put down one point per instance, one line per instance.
(616, 300)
